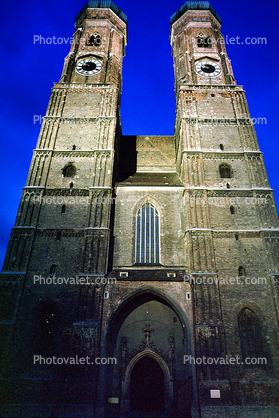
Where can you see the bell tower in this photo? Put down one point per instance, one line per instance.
(63, 226)
(217, 153)
(98, 46)
(199, 51)
(229, 208)
(69, 186)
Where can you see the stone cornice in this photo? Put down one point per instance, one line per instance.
(66, 192)
(76, 86)
(267, 233)
(217, 121)
(237, 193)
(45, 152)
(220, 156)
(208, 87)
(79, 120)
(77, 154)
(229, 192)
(74, 153)
(225, 153)
(44, 232)
(229, 156)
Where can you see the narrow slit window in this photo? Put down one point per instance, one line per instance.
(52, 269)
(241, 271)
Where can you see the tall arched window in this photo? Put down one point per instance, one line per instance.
(147, 235)
(225, 171)
(252, 343)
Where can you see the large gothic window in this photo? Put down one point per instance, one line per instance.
(252, 343)
(147, 235)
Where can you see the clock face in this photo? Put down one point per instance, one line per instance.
(89, 66)
(208, 68)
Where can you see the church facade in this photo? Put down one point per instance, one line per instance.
(154, 257)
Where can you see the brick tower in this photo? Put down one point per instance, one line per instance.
(156, 255)
(63, 226)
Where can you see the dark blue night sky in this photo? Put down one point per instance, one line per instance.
(29, 70)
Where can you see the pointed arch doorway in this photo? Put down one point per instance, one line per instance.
(148, 333)
(148, 386)
(147, 391)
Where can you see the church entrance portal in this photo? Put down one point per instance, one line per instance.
(149, 337)
(147, 391)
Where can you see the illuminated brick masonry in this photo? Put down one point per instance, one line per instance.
(156, 258)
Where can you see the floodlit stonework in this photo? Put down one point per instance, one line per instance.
(156, 257)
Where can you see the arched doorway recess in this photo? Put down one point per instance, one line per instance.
(149, 336)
